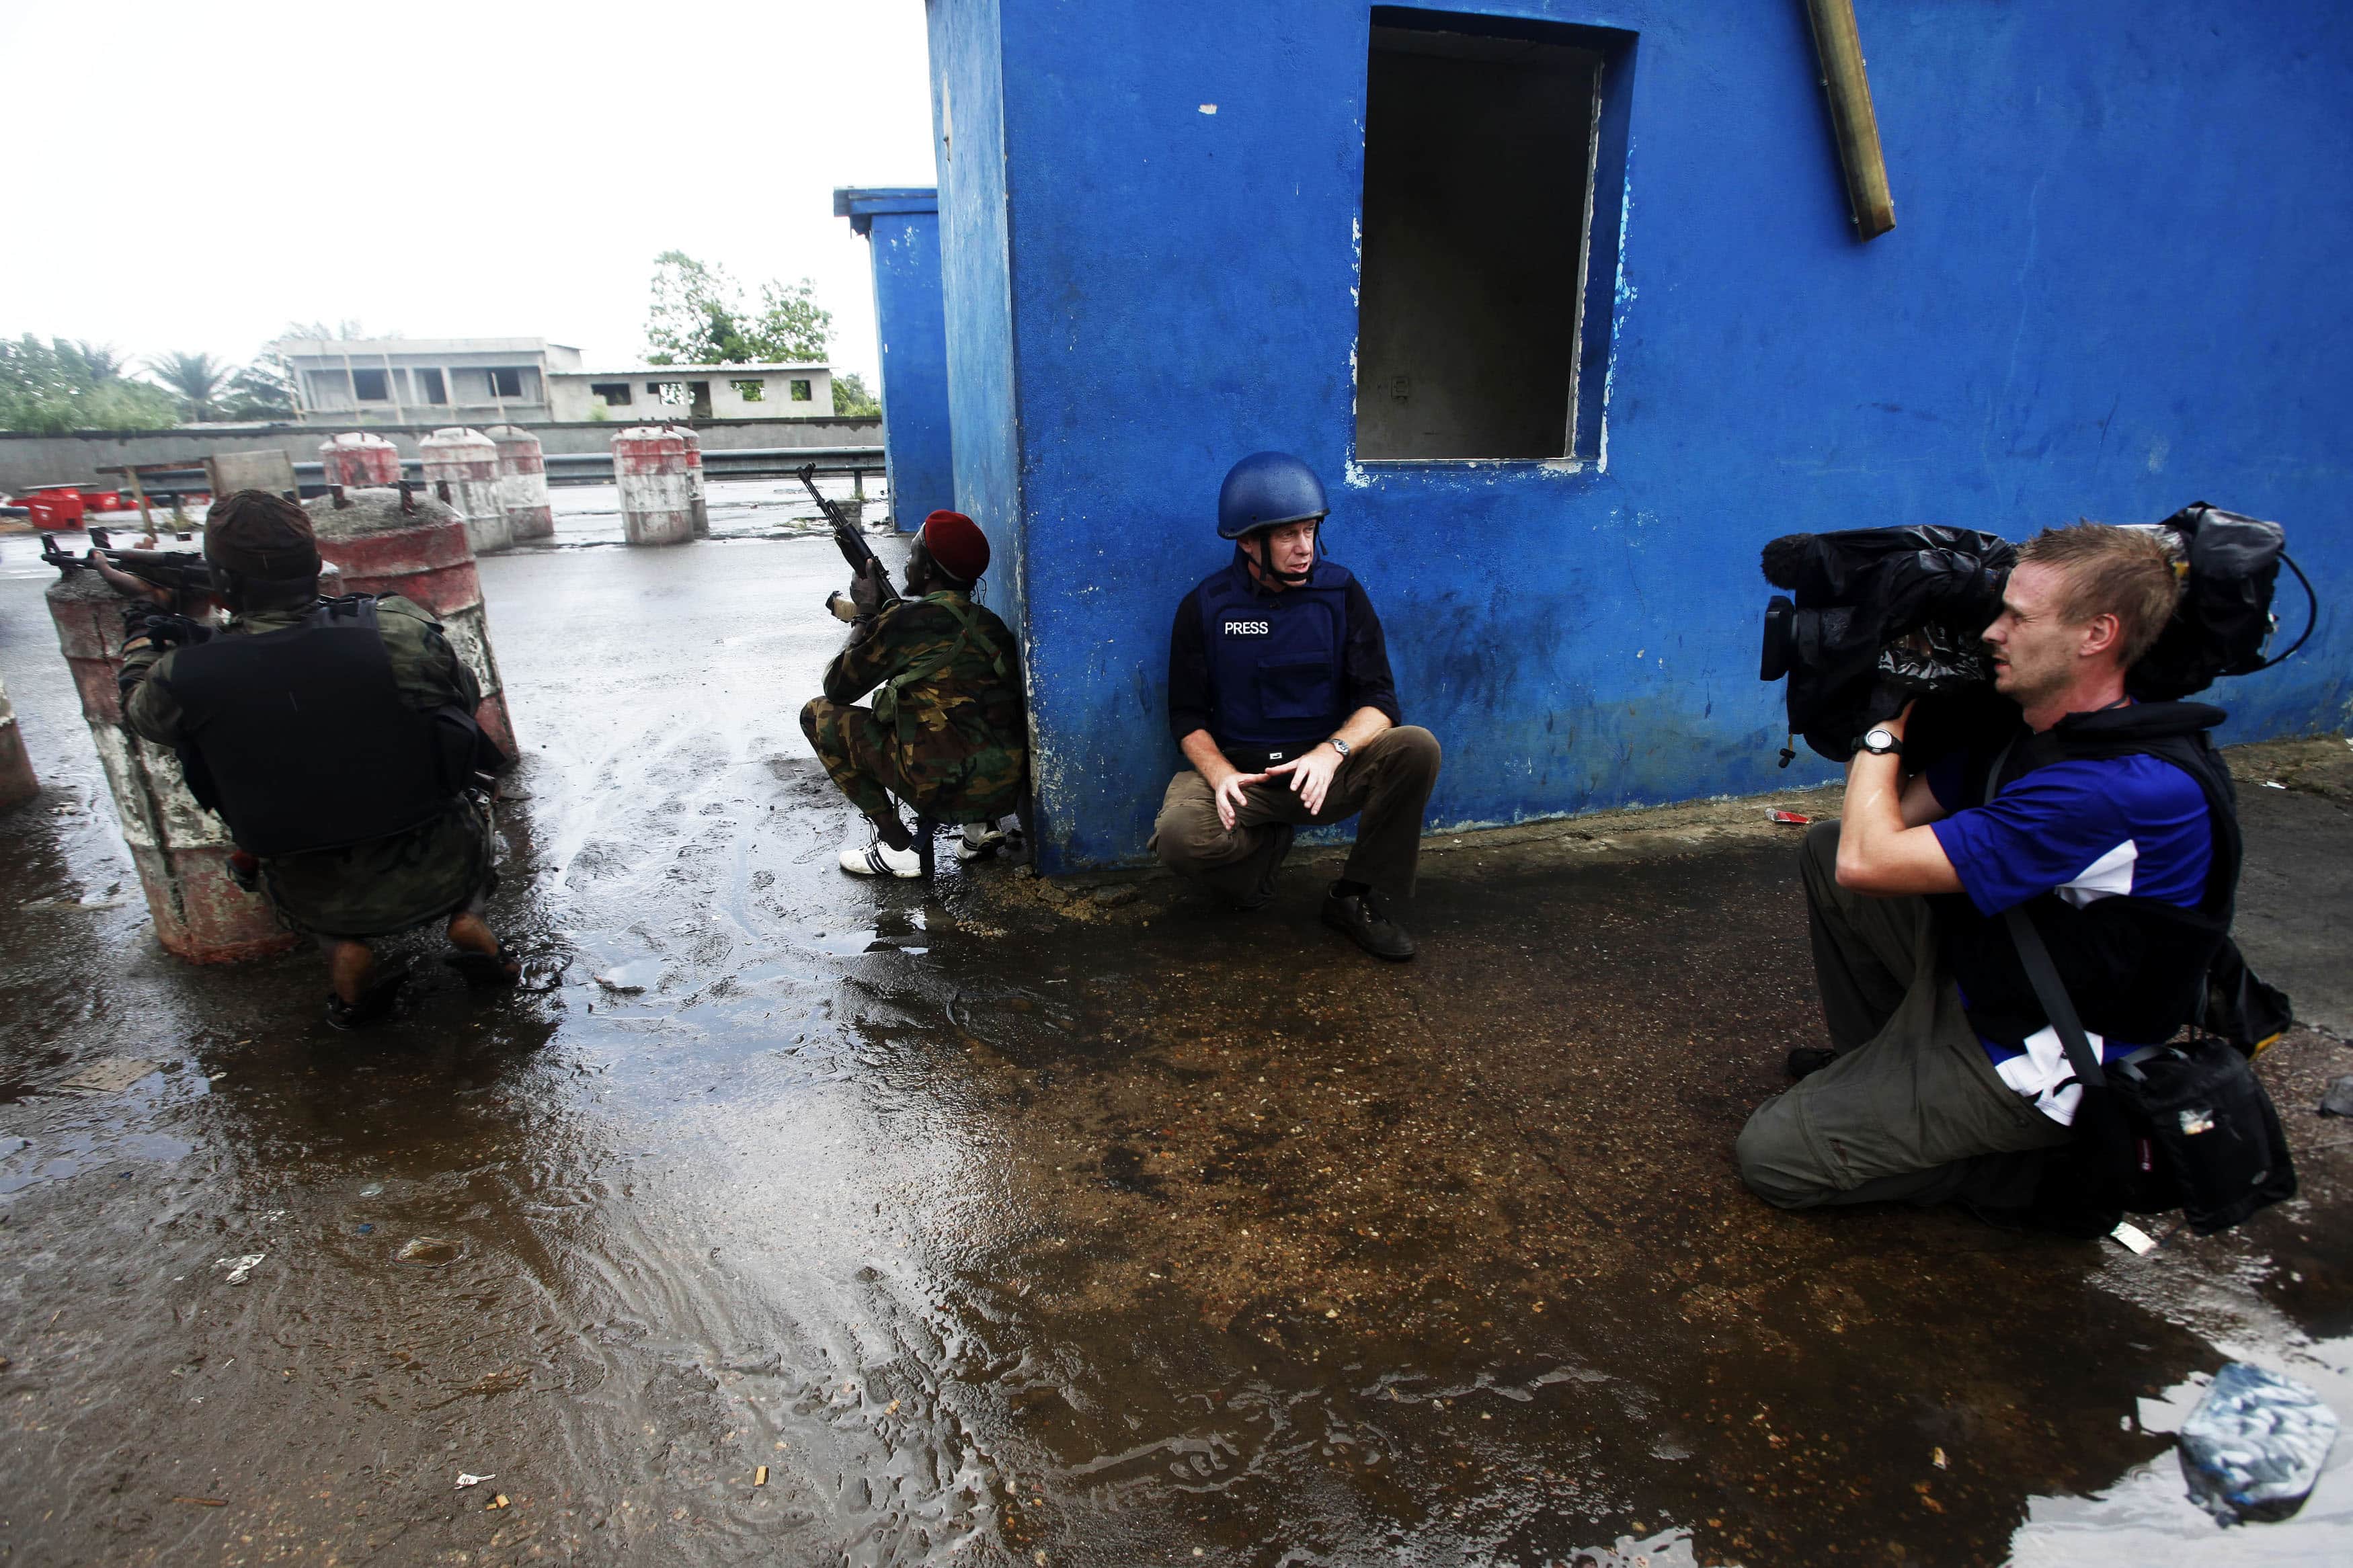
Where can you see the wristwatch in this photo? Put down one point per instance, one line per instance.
(1338, 745)
(1881, 743)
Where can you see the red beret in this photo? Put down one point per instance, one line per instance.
(957, 543)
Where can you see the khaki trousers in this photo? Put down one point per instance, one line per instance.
(1911, 1110)
(1388, 779)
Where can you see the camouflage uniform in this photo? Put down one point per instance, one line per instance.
(382, 885)
(946, 733)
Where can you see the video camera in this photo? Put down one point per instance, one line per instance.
(1876, 617)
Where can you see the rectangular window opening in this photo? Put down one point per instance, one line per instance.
(752, 391)
(1495, 155)
(506, 384)
(673, 392)
(370, 386)
(616, 393)
(802, 392)
(430, 387)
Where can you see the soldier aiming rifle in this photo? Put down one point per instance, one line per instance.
(336, 737)
(946, 731)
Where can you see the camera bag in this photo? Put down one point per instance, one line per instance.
(2183, 1125)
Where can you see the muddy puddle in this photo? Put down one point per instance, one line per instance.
(807, 1220)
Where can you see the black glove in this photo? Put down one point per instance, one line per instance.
(163, 631)
(865, 589)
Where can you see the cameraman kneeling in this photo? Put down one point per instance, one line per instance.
(2112, 827)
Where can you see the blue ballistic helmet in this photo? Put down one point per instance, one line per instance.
(1266, 490)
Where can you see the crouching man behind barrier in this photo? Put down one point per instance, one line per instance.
(947, 733)
(336, 738)
(1280, 697)
(2107, 826)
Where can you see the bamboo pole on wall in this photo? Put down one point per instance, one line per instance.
(1840, 48)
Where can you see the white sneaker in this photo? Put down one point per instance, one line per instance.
(876, 859)
(981, 840)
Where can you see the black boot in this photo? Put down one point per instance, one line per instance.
(1363, 920)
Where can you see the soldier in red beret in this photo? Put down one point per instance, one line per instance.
(946, 733)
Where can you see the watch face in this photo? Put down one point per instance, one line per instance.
(1879, 741)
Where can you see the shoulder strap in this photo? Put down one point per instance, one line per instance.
(2056, 1004)
(2035, 959)
(968, 627)
(886, 700)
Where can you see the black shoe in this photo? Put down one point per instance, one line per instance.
(1362, 919)
(1276, 849)
(374, 1002)
(1807, 1061)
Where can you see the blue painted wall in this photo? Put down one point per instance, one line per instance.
(2116, 287)
(902, 230)
(976, 279)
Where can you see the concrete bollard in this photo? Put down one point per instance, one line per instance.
(461, 466)
(420, 552)
(16, 780)
(523, 483)
(649, 467)
(355, 457)
(696, 500)
(181, 849)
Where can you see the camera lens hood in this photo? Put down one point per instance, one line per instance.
(1780, 637)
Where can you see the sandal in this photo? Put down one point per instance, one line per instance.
(374, 1002)
(486, 970)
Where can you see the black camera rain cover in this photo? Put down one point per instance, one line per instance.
(1878, 616)
(2232, 565)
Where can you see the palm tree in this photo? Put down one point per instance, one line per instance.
(198, 380)
(104, 360)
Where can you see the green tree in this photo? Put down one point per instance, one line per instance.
(263, 389)
(850, 398)
(700, 316)
(104, 361)
(341, 332)
(199, 381)
(52, 387)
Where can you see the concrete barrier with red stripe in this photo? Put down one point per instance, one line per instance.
(181, 849)
(417, 546)
(18, 781)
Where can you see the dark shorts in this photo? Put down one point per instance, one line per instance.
(389, 885)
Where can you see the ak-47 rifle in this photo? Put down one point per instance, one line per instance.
(132, 572)
(854, 550)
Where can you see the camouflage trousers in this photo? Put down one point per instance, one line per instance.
(867, 760)
(384, 886)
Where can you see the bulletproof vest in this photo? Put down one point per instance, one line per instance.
(2135, 968)
(300, 739)
(1275, 680)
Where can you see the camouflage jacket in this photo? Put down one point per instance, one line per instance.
(950, 683)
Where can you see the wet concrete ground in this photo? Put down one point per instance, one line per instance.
(1009, 1222)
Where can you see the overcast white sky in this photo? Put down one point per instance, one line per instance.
(195, 176)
